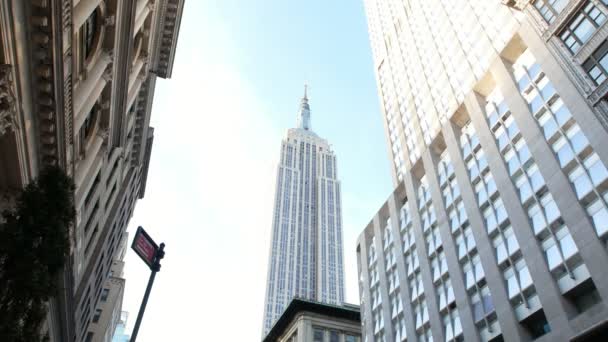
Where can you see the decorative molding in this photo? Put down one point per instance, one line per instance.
(103, 133)
(562, 18)
(145, 58)
(516, 4)
(602, 110)
(537, 20)
(596, 40)
(107, 73)
(564, 59)
(598, 93)
(7, 99)
(166, 39)
(109, 20)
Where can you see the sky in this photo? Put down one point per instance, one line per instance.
(238, 77)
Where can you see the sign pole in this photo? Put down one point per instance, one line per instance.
(155, 268)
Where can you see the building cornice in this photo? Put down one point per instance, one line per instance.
(299, 305)
(516, 4)
(170, 16)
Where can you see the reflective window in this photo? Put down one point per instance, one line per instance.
(549, 9)
(581, 27)
(596, 65)
(317, 335)
(89, 33)
(586, 172)
(334, 336)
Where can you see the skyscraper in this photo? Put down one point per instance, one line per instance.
(305, 258)
(495, 117)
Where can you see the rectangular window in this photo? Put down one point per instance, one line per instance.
(550, 9)
(350, 338)
(596, 65)
(582, 27)
(104, 294)
(96, 315)
(334, 336)
(317, 335)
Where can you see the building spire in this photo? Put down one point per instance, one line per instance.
(303, 119)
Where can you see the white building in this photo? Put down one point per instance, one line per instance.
(495, 116)
(305, 258)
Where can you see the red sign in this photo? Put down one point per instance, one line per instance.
(144, 246)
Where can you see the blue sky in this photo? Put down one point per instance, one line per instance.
(237, 82)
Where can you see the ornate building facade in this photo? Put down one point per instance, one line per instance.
(495, 119)
(77, 81)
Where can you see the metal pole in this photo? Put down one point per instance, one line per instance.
(160, 254)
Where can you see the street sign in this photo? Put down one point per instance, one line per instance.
(145, 247)
(151, 254)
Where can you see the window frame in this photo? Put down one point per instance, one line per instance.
(550, 7)
(581, 15)
(594, 61)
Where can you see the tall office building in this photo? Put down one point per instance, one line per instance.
(495, 118)
(305, 259)
(77, 80)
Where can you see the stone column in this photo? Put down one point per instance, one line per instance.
(394, 206)
(366, 307)
(386, 302)
(463, 302)
(425, 267)
(574, 100)
(509, 325)
(575, 216)
(554, 305)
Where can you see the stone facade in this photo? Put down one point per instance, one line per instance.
(498, 224)
(77, 81)
(310, 321)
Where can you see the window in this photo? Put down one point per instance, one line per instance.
(596, 65)
(582, 27)
(317, 335)
(89, 124)
(104, 294)
(90, 33)
(96, 315)
(549, 9)
(536, 324)
(350, 338)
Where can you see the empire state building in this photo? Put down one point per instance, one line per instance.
(306, 257)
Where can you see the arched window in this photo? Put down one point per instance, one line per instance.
(90, 33)
(137, 47)
(132, 109)
(89, 126)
